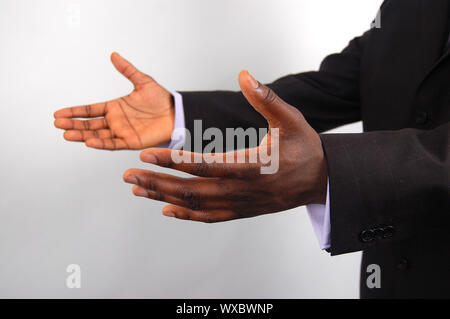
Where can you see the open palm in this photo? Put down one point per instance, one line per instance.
(142, 119)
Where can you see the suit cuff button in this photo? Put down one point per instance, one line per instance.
(378, 233)
(388, 232)
(403, 264)
(367, 236)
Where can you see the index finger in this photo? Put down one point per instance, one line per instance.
(90, 110)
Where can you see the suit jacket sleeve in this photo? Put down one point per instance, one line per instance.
(327, 98)
(387, 185)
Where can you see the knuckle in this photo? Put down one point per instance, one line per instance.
(200, 169)
(129, 70)
(88, 110)
(227, 186)
(192, 200)
(164, 159)
(155, 195)
(207, 218)
(183, 193)
(145, 182)
(270, 96)
(194, 204)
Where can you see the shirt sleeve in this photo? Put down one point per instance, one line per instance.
(320, 219)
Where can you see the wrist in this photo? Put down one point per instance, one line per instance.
(320, 189)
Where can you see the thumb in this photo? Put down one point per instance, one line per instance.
(129, 71)
(277, 112)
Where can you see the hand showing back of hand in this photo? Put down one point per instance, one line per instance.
(142, 119)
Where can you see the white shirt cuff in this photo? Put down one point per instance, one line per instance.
(178, 134)
(320, 219)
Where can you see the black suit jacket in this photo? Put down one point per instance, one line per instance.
(389, 186)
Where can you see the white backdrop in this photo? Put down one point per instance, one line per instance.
(62, 203)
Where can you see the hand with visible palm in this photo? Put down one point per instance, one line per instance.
(142, 119)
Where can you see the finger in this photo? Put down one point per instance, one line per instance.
(162, 197)
(91, 110)
(69, 124)
(277, 112)
(243, 163)
(207, 216)
(84, 135)
(147, 193)
(107, 143)
(129, 71)
(195, 193)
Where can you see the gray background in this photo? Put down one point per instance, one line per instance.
(62, 203)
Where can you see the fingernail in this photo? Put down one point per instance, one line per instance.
(131, 179)
(169, 214)
(253, 82)
(149, 158)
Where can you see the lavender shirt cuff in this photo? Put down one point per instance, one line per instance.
(178, 135)
(320, 220)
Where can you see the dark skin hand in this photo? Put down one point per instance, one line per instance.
(142, 119)
(227, 191)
